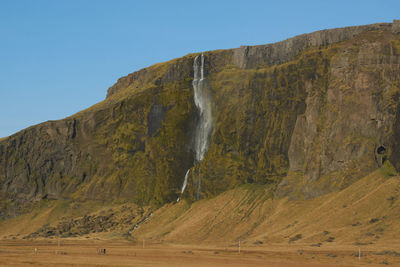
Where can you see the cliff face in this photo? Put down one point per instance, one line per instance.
(350, 127)
(310, 114)
(130, 148)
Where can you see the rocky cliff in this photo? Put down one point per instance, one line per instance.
(308, 115)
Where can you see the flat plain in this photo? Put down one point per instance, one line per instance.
(124, 253)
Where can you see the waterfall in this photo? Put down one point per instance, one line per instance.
(202, 100)
(139, 223)
(185, 181)
(184, 184)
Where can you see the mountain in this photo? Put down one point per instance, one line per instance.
(299, 119)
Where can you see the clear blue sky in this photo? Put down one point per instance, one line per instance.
(58, 57)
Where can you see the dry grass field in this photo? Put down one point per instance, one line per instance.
(120, 253)
(325, 231)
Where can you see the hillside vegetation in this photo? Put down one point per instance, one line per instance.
(363, 214)
(304, 128)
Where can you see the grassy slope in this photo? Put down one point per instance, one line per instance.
(53, 212)
(247, 213)
(365, 213)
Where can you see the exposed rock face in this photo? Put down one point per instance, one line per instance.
(346, 126)
(396, 26)
(155, 118)
(312, 113)
(36, 152)
(284, 51)
(111, 220)
(177, 70)
(100, 154)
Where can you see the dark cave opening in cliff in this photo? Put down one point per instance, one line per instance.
(381, 150)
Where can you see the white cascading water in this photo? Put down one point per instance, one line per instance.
(202, 101)
(184, 184)
(139, 223)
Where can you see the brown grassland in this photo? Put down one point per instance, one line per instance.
(325, 231)
(121, 253)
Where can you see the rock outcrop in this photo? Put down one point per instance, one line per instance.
(348, 129)
(287, 50)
